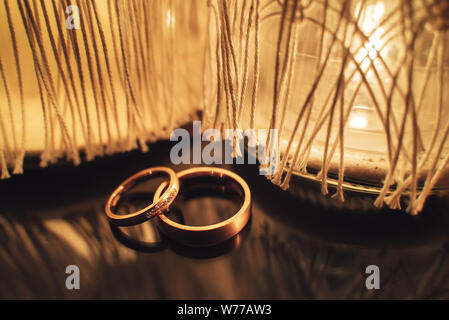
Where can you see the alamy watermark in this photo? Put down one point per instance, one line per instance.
(232, 144)
(73, 20)
(373, 280)
(72, 282)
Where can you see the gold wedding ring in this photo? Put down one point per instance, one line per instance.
(157, 207)
(215, 233)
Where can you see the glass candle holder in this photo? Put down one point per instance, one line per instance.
(81, 79)
(356, 89)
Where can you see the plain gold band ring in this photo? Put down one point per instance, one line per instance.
(211, 234)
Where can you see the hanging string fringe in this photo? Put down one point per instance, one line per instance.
(110, 86)
(317, 60)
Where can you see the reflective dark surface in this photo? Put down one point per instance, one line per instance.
(292, 248)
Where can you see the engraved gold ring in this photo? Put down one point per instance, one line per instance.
(157, 207)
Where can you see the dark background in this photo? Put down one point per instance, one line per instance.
(293, 248)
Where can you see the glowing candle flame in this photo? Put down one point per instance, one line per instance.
(368, 22)
(359, 118)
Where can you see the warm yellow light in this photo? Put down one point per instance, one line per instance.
(170, 18)
(358, 118)
(371, 16)
(369, 21)
(358, 122)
